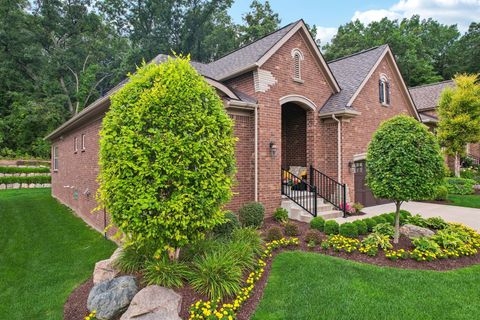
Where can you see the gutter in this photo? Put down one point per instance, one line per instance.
(339, 148)
(344, 113)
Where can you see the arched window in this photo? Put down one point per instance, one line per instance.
(297, 56)
(384, 90)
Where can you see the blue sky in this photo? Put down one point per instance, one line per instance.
(328, 15)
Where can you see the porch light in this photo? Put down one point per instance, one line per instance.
(351, 166)
(273, 149)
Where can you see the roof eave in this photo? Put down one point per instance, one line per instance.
(346, 113)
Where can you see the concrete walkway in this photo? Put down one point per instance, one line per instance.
(467, 216)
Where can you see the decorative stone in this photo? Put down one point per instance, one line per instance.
(3, 186)
(15, 185)
(110, 298)
(105, 269)
(154, 303)
(31, 185)
(413, 231)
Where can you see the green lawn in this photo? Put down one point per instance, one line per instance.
(45, 252)
(313, 286)
(471, 200)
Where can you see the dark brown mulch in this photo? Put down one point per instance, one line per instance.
(76, 306)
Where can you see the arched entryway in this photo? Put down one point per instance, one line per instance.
(294, 135)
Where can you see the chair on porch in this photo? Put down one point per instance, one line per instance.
(296, 184)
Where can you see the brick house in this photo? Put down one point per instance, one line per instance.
(426, 98)
(303, 125)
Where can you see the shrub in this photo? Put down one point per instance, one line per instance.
(357, 207)
(370, 223)
(460, 186)
(317, 223)
(313, 236)
(404, 215)
(280, 215)
(348, 229)
(426, 244)
(243, 253)
(380, 219)
(132, 258)
(441, 193)
(216, 275)
(447, 240)
(225, 229)
(331, 227)
(361, 227)
(169, 185)
(390, 217)
(291, 229)
(251, 214)
(24, 169)
(377, 240)
(274, 233)
(417, 220)
(32, 179)
(436, 223)
(166, 273)
(385, 229)
(249, 236)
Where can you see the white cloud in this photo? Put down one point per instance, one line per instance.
(460, 12)
(325, 34)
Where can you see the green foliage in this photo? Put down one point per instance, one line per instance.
(32, 179)
(404, 161)
(274, 233)
(441, 193)
(291, 229)
(331, 227)
(251, 214)
(379, 219)
(357, 207)
(133, 257)
(166, 273)
(370, 223)
(417, 220)
(459, 186)
(317, 223)
(390, 218)
(260, 21)
(404, 215)
(459, 114)
(447, 239)
(313, 236)
(225, 229)
(249, 236)
(348, 229)
(280, 215)
(377, 240)
(436, 223)
(361, 227)
(24, 170)
(166, 156)
(385, 229)
(426, 244)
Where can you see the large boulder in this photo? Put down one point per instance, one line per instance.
(110, 298)
(154, 303)
(413, 231)
(105, 269)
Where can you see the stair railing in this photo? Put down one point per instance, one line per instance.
(329, 189)
(299, 191)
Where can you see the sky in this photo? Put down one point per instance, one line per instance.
(329, 15)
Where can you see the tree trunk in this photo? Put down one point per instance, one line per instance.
(397, 222)
(457, 165)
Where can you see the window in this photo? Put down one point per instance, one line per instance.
(384, 91)
(75, 145)
(83, 142)
(55, 158)
(297, 67)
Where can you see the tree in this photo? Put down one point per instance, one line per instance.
(459, 116)
(464, 54)
(260, 21)
(404, 163)
(166, 157)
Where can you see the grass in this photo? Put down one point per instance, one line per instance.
(313, 286)
(45, 253)
(470, 201)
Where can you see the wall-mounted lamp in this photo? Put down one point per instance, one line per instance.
(273, 149)
(351, 166)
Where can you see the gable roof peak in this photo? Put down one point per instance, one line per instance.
(383, 46)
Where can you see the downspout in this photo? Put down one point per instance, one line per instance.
(339, 148)
(256, 152)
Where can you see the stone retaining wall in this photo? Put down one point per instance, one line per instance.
(31, 174)
(24, 185)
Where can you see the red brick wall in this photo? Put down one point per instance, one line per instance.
(475, 149)
(357, 132)
(294, 136)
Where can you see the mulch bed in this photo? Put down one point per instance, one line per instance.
(76, 306)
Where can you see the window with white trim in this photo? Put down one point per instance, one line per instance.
(55, 158)
(75, 145)
(297, 56)
(83, 142)
(384, 91)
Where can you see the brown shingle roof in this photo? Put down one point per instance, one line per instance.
(428, 95)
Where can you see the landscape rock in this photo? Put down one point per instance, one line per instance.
(110, 298)
(105, 269)
(154, 303)
(413, 231)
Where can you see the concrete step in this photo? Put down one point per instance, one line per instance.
(295, 212)
(332, 214)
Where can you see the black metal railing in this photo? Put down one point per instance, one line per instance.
(299, 191)
(329, 189)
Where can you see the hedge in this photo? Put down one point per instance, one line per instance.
(24, 170)
(33, 179)
(460, 185)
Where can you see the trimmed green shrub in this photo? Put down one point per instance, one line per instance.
(361, 227)
(441, 193)
(384, 228)
(389, 217)
(436, 223)
(291, 229)
(251, 214)
(166, 273)
(380, 219)
(274, 233)
(32, 179)
(370, 223)
(24, 169)
(280, 215)
(417, 220)
(317, 223)
(225, 229)
(167, 156)
(460, 186)
(331, 227)
(348, 229)
(313, 236)
(404, 215)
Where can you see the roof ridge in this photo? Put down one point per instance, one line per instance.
(248, 44)
(357, 53)
(430, 84)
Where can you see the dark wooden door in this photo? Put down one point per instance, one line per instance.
(363, 194)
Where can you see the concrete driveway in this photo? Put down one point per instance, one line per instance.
(467, 216)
